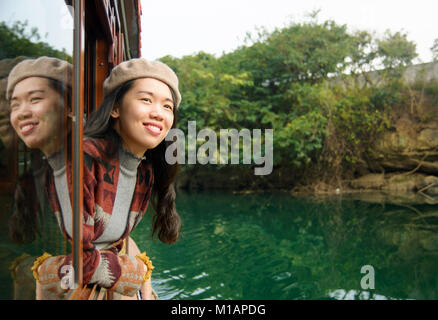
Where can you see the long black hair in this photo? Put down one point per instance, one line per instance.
(166, 221)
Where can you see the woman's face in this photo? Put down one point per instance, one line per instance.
(145, 115)
(35, 114)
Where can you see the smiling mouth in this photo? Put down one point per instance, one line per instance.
(152, 128)
(27, 128)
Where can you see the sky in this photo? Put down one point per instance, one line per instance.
(51, 17)
(184, 27)
(178, 28)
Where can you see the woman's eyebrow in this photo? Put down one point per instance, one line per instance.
(36, 91)
(29, 93)
(147, 92)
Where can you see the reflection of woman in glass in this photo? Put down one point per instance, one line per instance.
(37, 91)
(124, 156)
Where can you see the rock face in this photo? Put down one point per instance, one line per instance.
(413, 141)
(411, 146)
(405, 158)
(426, 186)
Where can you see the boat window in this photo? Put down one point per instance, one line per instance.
(35, 129)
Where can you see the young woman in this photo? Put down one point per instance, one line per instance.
(124, 166)
(38, 93)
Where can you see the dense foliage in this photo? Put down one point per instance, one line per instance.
(16, 40)
(324, 90)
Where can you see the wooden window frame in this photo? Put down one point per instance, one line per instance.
(98, 47)
(77, 137)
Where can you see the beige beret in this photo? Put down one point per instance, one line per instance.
(141, 68)
(45, 67)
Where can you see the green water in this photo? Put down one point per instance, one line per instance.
(49, 240)
(279, 247)
(275, 246)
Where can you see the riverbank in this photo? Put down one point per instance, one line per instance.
(401, 158)
(396, 187)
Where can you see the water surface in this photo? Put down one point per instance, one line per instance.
(275, 246)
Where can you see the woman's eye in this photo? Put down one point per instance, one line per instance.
(168, 106)
(35, 99)
(146, 100)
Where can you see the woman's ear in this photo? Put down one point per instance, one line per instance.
(115, 113)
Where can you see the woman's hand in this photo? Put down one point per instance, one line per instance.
(146, 289)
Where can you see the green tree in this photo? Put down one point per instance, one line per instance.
(207, 88)
(16, 41)
(319, 86)
(396, 52)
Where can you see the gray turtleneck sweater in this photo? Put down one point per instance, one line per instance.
(125, 190)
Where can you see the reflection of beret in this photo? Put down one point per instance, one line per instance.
(141, 68)
(6, 65)
(45, 67)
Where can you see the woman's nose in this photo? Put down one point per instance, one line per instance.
(24, 113)
(155, 112)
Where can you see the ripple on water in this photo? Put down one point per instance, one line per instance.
(292, 248)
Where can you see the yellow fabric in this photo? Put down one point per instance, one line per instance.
(37, 263)
(148, 263)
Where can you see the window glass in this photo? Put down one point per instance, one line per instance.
(36, 43)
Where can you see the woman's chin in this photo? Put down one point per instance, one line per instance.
(32, 144)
